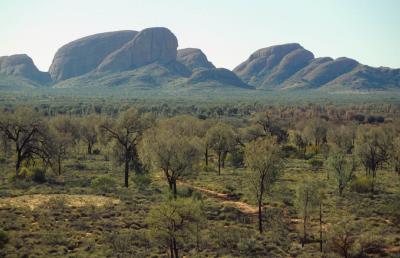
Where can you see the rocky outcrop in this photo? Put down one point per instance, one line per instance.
(22, 65)
(290, 66)
(84, 55)
(364, 77)
(328, 71)
(217, 75)
(194, 58)
(148, 46)
(270, 66)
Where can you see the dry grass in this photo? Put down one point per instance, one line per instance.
(72, 200)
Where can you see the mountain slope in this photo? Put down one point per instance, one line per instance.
(85, 54)
(290, 66)
(22, 66)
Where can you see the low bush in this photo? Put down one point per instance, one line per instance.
(142, 181)
(37, 175)
(104, 184)
(361, 184)
(3, 238)
(316, 164)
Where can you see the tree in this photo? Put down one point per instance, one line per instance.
(271, 127)
(316, 131)
(126, 132)
(342, 167)
(306, 202)
(88, 131)
(28, 132)
(342, 137)
(62, 135)
(343, 237)
(310, 196)
(174, 222)
(373, 147)
(221, 138)
(395, 155)
(163, 148)
(264, 159)
(301, 144)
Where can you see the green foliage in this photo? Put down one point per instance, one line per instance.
(174, 222)
(362, 184)
(3, 238)
(104, 184)
(142, 181)
(316, 164)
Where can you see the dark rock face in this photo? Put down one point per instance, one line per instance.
(220, 75)
(193, 59)
(84, 55)
(148, 46)
(22, 65)
(270, 66)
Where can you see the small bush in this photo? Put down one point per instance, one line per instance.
(289, 151)
(37, 175)
(316, 164)
(361, 184)
(3, 238)
(142, 181)
(78, 166)
(105, 184)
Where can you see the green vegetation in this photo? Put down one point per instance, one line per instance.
(147, 178)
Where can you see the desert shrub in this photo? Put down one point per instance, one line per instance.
(229, 237)
(105, 184)
(289, 151)
(142, 181)
(237, 158)
(205, 168)
(315, 164)
(248, 245)
(23, 173)
(312, 150)
(361, 184)
(232, 193)
(3, 238)
(37, 175)
(342, 239)
(96, 152)
(359, 118)
(77, 166)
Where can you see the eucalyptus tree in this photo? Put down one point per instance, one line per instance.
(174, 153)
(126, 132)
(28, 132)
(221, 139)
(263, 157)
(342, 167)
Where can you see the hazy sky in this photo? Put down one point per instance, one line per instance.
(228, 31)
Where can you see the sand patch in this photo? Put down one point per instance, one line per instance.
(71, 200)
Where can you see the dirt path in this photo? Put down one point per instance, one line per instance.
(71, 200)
(224, 199)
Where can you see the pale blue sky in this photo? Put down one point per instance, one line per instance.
(228, 31)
